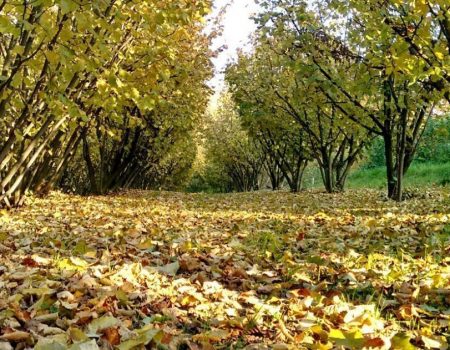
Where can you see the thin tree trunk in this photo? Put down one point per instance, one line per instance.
(89, 164)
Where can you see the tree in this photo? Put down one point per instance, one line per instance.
(75, 72)
(419, 32)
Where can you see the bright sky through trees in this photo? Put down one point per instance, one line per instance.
(237, 28)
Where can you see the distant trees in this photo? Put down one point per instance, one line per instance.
(234, 161)
(286, 155)
(117, 84)
(282, 140)
(434, 146)
(245, 149)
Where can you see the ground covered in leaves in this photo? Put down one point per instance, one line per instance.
(255, 271)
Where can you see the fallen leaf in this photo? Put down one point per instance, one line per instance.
(89, 345)
(102, 323)
(144, 337)
(16, 336)
(169, 269)
(112, 336)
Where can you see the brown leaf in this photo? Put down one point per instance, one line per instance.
(237, 272)
(216, 335)
(112, 336)
(189, 264)
(15, 336)
(30, 262)
(407, 312)
(374, 343)
(22, 315)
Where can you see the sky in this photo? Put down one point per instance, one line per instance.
(237, 28)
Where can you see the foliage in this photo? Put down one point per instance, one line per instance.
(280, 80)
(434, 146)
(115, 83)
(418, 32)
(339, 66)
(421, 174)
(405, 44)
(282, 140)
(261, 270)
(375, 155)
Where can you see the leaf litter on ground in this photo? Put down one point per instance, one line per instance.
(194, 271)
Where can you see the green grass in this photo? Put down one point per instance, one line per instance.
(420, 174)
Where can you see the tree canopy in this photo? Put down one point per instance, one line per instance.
(347, 72)
(110, 87)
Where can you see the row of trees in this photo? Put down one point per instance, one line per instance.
(234, 154)
(96, 95)
(326, 78)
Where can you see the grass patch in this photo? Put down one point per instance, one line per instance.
(266, 243)
(419, 175)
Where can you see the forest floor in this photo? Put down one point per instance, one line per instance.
(258, 270)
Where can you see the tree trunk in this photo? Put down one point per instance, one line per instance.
(89, 164)
(390, 171)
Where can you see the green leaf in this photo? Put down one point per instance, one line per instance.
(77, 335)
(49, 344)
(68, 6)
(44, 303)
(316, 260)
(6, 26)
(89, 345)
(402, 341)
(81, 248)
(38, 291)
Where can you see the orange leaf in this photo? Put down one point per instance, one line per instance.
(112, 336)
(374, 343)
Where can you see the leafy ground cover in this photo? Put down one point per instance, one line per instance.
(193, 271)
